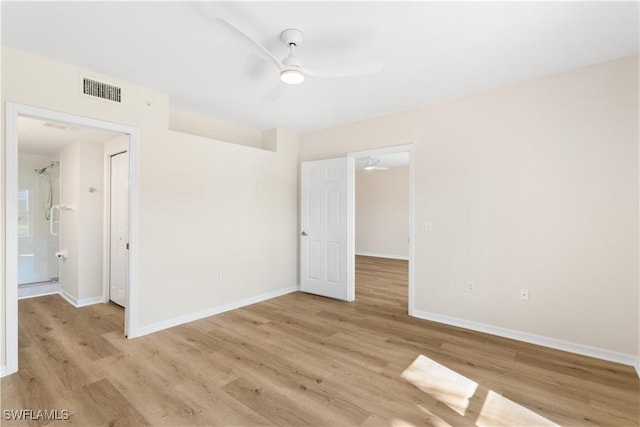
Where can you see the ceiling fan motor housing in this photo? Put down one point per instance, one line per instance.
(292, 36)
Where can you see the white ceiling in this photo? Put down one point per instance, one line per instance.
(48, 137)
(431, 50)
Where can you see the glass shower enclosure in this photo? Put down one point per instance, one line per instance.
(38, 190)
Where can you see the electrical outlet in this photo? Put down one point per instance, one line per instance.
(218, 276)
(524, 294)
(471, 287)
(427, 226)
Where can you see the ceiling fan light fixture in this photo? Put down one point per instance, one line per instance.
(370, 164)
(292, 77)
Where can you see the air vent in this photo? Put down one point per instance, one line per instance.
(101, 90)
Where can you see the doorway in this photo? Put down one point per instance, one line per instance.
(13, 113)
(327, 224)
(384, 189)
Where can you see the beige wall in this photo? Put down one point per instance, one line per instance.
(208, 206)
(197, 124)
(531, 186)
(204, 206)
(382, 212)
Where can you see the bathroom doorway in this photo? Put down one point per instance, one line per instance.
(76, 215)
(62, 209)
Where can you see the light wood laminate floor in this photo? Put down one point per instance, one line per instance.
(305, 360)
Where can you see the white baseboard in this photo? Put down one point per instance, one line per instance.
(3, 370)
(377, 255)
(83, 302)
(585, 350)
(169, 323)
(43, 294)
(67, 296)
(37, 290)
(90, 301)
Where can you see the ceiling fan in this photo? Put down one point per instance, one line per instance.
(372, 164)
(291, 68)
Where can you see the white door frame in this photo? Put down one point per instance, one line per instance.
(10, 300)
(389, 150)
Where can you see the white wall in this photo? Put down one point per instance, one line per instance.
(532, 186)
(382, 212)
(116, 145)
(90, 216)
(208, 206)
(81, 230)
(204, 205)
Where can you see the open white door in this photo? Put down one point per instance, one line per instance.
(326, 235)
(119, 229)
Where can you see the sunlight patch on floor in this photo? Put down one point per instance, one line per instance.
(498, 410)
(442, 383)
(456, 391)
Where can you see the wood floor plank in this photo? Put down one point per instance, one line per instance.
(271, 404)
(305, 360)
(102, 404)
(217, 406)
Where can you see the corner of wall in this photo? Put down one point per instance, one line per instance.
(270, 139)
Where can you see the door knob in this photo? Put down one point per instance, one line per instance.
(304, 233)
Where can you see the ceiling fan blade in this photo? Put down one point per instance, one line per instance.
(276, 92)
(349, 70)
(267, 55)
(257, 67)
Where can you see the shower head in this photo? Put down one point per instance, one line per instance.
(44, 169)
